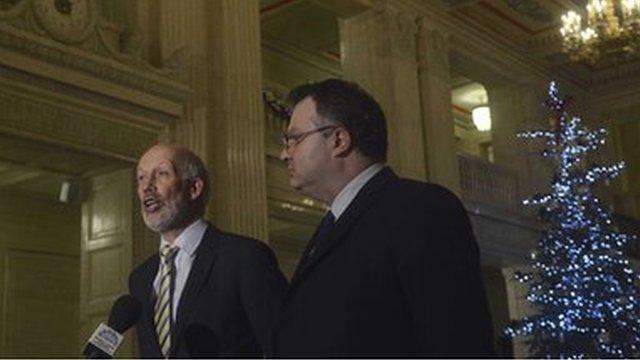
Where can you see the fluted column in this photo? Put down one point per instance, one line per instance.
(214, 46)
(507, 117)
(236, 139)
(182, 44)
(379, 53)
(516, 108)
(623, 145)
(437, 115)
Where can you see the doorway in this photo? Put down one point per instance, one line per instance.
(44, 193)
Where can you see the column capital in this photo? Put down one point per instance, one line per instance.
(433, 49)
(401, 27)
(381, 54)
(224, 122)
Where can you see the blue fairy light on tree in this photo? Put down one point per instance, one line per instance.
(582, 285)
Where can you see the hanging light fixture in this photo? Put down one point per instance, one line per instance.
(611, 27)
(481, 116)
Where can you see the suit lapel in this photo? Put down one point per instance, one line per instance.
(305, 254)
(346, 221)
(199, 273)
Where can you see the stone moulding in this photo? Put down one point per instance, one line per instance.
(24, 116)
(133, 75)
(82, 91)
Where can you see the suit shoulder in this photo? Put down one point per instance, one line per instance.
(146, 265)
(247, 255)
(421, 191)
(242, 244)
(140, 270)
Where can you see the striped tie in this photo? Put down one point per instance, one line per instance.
(163, 309)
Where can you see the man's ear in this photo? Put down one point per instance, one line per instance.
(196, 188)
(341, 142)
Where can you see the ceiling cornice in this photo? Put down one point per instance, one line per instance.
(325, 63)
(502, 57)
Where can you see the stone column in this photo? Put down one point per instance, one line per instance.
(507, 117)
(518, 305)
(215, 47)
(437, 114)
(236, 141)
(516, 108)
(183, 35)
(171, 36)
(622, 144)
(379, 52)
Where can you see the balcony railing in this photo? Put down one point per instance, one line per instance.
(487, 183)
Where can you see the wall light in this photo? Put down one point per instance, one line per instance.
(481, 117)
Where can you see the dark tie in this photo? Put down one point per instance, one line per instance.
(323, 230)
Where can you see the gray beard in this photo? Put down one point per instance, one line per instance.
(177, 216)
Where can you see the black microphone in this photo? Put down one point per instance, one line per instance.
(201, 342)
(104, 342)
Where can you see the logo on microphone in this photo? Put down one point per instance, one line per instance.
(106, 339)
(108, 335)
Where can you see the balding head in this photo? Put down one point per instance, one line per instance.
(173, 187)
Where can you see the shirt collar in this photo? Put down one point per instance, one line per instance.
(349, 192)
(189, 238)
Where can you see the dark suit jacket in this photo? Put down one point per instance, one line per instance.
(398, 276)
(227, 306)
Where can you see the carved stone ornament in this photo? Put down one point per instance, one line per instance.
(434, 51)
(405, 32)
(401, 27)
(438, 48)
(149, 81)
(68, 21)
(72, 34)
(11, 8)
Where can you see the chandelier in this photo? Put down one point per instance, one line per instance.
(611, 27)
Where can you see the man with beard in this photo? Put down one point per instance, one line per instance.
(206, 293)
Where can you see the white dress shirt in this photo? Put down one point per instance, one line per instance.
(349, 192)
(187, 243)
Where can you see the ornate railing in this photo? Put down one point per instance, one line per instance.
(485, 182)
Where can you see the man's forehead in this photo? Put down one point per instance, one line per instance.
(303, 115)
(157, 163)
(158, 156)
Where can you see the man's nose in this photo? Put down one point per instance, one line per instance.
(148, 184)
(284, 154)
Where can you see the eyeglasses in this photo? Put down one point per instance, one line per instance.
(290, 140)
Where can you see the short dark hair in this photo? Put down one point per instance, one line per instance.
(347, 104)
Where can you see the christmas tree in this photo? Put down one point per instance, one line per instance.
(582, 285)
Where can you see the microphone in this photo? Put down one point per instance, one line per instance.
(104, 342)
(201, 342)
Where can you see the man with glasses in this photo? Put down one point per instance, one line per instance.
(393, 268)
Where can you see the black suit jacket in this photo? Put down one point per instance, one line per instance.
(398, 276)
(227, 306)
